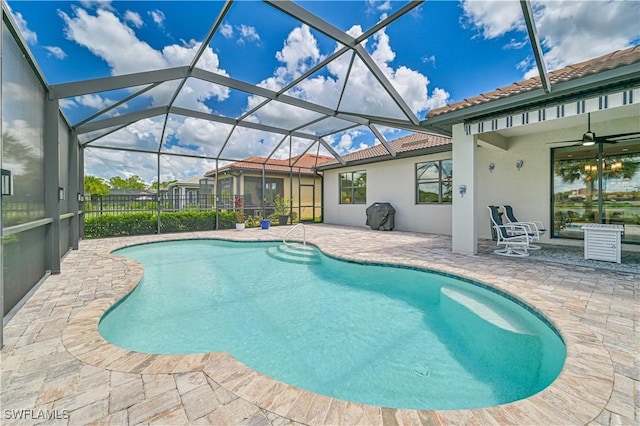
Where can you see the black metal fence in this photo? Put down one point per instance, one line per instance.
(120, 204)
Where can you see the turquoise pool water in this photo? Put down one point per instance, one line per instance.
(380, 335)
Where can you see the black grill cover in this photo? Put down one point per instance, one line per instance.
(381, 216)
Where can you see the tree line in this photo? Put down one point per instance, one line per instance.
(99, 186)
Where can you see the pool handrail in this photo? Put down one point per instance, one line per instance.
(304, 235)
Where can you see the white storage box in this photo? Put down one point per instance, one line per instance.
(603, 242)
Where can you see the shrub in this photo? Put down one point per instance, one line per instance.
(143, 223)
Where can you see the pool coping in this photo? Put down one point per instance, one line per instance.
(577, 396)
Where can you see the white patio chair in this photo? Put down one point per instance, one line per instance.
(514, 237)
(535, 227)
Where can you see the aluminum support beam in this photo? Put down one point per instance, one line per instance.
(69, 90)
(313, 21)
(121, 120)
(383, 141)
(74, 189)
(332, 151)
(245, 124)
(51, 186)
(379, 75)
(527, 12)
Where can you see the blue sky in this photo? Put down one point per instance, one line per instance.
(441, 52)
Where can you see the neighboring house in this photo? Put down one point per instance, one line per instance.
(138, 194)
(191, 193)
(257, 182)
(522, 146)
(417, 183)
(516, 145)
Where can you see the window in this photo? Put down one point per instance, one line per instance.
(353, 187)
(434, 182)
(596, 184)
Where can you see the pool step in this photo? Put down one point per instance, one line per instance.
(484, 310)
(295, 253)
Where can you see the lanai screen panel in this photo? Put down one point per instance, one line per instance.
(195, 136)
(143, 135)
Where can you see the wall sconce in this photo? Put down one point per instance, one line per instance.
(60, 193)
(491, 167)
(519, 164)
(7, 182)
(462, 189)
(80, 197)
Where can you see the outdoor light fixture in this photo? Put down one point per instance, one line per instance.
(80, 197)
(491, 167)
(462, 189)
(519, 164)
(588, 139)
(60, 193)
(7, 182)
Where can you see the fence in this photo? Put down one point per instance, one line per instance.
(119, 204)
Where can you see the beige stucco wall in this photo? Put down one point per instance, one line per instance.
(527, 190)
(388, 181)
(291, 186)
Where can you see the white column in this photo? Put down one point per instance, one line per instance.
(464, 232)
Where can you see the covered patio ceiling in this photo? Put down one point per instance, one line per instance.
(280, 119)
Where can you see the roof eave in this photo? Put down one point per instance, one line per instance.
(623, 76)
(387, 157)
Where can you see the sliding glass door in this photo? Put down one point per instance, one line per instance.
(597, 184)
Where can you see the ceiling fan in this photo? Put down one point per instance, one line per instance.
(589, 138)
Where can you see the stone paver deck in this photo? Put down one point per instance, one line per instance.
(56, 364)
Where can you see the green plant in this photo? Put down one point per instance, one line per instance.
(252, 222)
(239, 217)
(281, 206)
(142, 223)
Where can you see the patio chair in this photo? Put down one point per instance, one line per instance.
(514, 237)
(536, 228)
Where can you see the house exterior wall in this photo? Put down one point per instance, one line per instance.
(392, 181)
(528, 191)
(292, 192)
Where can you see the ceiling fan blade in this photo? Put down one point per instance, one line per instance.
(621, 137)
(564, 144)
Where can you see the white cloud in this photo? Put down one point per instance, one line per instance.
(493, 18)
(29, 36)
(226, 30)
(55, 51)
(576, 31)
(363, 92)
(300, 51)
(378, 6)
(102, 4)
(570, 31)
(100, 32)
(429, 60)
(93, 101)
(133, 18)
(247, 34)
(515, 44)
(158, 17)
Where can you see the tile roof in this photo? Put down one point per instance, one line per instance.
(303, 163)
(412, 142)
(607, 62)
(193, 180)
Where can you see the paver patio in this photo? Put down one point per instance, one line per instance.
(55, 363)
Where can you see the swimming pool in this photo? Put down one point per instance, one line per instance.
(386, 336)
